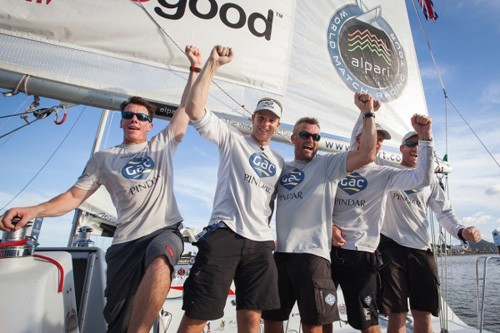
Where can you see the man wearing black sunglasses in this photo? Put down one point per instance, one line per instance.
(410, 270)
(357, 217)
(303, 222)
(147, 242)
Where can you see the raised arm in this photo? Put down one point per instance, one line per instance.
(367, 149)
(180, 120)
(422, 125)
(57, 206)
(195, 106)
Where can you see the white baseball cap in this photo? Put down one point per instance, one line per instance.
(270, 104)
(379, 128)
(408, 135)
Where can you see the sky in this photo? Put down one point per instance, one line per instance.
(41, 160)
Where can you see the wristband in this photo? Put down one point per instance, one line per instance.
(369, 115)
(194, 69)
(460, 236)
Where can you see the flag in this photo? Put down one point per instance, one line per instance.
(428, 9)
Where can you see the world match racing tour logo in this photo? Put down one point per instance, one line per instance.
(366, 52)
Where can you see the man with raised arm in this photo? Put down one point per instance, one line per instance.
(410, 270)
(238, 242)
(357, 217)
(147, 242)
(304, 211)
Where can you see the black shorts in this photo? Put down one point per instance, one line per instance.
(126, 264)
(307, 279)
(222, 256)
(408, 274)
(357, 274)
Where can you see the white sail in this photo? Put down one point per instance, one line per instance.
(310, 55)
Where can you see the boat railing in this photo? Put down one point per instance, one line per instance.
(481, 286)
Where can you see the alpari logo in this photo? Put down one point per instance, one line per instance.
(138, 168)
(292, 179)
(366, 52)
(262, 166)
(353, 183)
(231, 14)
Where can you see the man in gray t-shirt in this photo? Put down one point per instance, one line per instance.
(357, 217)
(303, 222)
(238, 242)
(410, 273)
(147, 243)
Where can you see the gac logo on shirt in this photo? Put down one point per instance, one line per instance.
(262, 166)
(353, 183)
(292, 179)
(138, 168)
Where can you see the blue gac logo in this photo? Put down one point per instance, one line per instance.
(138, 168)
(292, 179)
(353, 183)
(262, 166)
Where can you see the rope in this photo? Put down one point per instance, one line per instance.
(39, 114)
(14, 243)
(24, 81)
(59, 268)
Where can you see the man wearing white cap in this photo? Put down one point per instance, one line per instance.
(238, 241)
(357, 217)
(410, 270)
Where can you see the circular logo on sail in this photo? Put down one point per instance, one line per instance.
(366, 52)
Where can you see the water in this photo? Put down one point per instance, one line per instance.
(461, 290)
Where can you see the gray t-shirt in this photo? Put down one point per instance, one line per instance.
(406, 220)
(361, 197)
(305, 204)
(139, 179)
(246, 180)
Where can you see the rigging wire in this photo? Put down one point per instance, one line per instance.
(446, 97)
(20, 106)
(440, 243)
(47, 162)
(39, 114)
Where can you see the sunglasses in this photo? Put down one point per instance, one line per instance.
(140, 116)
(306, 135)
(410, 144)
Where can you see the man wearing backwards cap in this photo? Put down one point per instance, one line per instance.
(357, 217)
(410, 270)
(238, 241)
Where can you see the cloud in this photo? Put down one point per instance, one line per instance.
(490, 93)
(481, 218)
(493, 190)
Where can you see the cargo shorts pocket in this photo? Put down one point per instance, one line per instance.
(325, 295)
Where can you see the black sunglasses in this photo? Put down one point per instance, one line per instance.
(139, 116)
(306, 135)
(410, 144)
